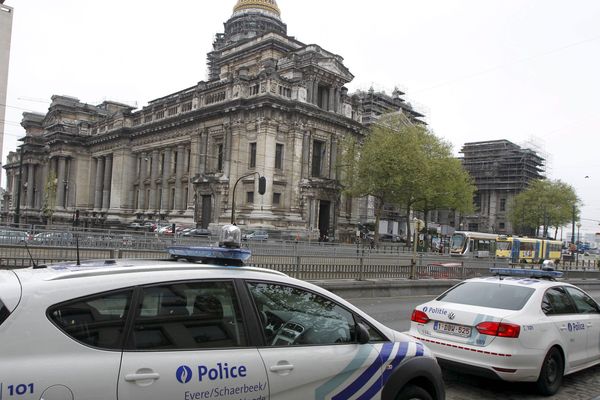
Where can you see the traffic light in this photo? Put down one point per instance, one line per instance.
(262, 185)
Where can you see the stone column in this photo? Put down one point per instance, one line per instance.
(309, 91)
(315, 99)
(60, 183)
(106, 185)
(179, 168)
(333, 159)
(153, 177)
(99, 180)
(30, 185)
(331, 106)
(141, 186)
(164, 204)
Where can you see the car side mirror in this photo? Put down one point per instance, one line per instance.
(362, 334)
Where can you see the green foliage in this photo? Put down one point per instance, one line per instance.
(408, 166)
(547, 203)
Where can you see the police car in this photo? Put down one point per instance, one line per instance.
(174, 330)
(520, 325)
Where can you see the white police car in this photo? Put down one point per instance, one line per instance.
(172, 330)
(517, 326)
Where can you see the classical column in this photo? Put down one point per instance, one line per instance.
(141, 186)
(331, 106)
(315, 99)
(30, 185)
(99, 180)
(153, 177)
(179, 168)
(60, 183)
(107, 182)
(164, 204)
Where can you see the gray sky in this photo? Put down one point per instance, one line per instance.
(522, 70)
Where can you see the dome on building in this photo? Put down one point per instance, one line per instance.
(268, 6)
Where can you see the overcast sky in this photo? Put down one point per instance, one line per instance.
(480, 70)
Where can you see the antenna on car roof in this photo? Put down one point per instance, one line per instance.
(35, 266)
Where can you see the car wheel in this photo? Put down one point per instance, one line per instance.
(412, 392)
(551, 374)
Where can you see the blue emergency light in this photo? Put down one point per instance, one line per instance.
(529, 273)
(211, 255)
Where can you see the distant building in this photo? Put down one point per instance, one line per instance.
(6, 16)
(501, 170)
(272, 105)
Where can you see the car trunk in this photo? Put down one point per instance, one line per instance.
(457, 323)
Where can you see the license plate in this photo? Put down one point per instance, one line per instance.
(452, 329)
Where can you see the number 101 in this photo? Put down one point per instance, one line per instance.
(20, 390)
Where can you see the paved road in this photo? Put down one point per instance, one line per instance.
(395, 312)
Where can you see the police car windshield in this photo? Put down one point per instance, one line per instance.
(4, 313)
(490, 295)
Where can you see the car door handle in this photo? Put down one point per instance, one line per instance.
(281, 367)
(142, 377)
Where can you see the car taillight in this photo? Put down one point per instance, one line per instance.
(419, 317)
(499, 329)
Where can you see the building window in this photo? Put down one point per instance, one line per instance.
(137, 121)
(160, 115)
(172, 111)
(174, 163)
(148, 118)
(254, 90)
(502, 226)
(252, 163)
(250, 197)
(285, 92)
(186, 107)
(279, 156)
(318, 157)
(276, 199)
(215, 97)
(502, 204)
(189, 160)
(172, 199)
(220, 157)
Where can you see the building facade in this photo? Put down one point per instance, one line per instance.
(500, 170)
(272, 106)
(6, 17)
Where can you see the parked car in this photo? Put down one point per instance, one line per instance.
(522, 325)
(196, 232)
(9, 236)
(172, 330)
(136, 225)
(256, 235)
(54, 238)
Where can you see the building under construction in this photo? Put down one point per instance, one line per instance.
(500, 170)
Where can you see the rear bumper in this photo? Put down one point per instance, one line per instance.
(510, 363)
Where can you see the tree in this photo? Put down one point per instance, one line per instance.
(405, 165)
(544, 203)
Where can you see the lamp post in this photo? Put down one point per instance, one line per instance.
(577, 244)
(413, 261)
(262, 188)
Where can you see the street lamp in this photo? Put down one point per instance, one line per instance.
(413, 261)
(577, 244)
(262, 188)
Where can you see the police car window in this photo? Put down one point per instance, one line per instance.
(556, 301)
(584, 303)
(489, 294)
(294, 317)
(97, 321)
(190, 315)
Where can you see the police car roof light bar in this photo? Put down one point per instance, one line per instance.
(529, 273)
(221, 256)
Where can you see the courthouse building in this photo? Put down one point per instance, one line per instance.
(272, 106)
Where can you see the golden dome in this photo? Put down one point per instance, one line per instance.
(266, 5)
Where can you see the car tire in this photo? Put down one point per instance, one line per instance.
(551, 375)
(412, 392)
